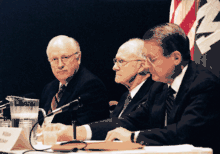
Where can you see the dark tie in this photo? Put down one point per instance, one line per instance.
(57, 97)
(127, 101)
(169, 101)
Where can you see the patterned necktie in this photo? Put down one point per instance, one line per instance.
(57, 97)
(127, 101)
(169, 101)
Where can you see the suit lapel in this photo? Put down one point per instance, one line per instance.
(140, 94)
(138, 98)
(120, 105)
(69, 89)
(184, 87)
(52, 93)
(158, 108)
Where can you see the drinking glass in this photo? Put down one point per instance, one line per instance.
(26, 125)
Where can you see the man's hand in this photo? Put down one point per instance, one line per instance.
(64, 132)
(81, 133)
(119, 133)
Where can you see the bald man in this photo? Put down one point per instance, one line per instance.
(128, 65)
(72, 81)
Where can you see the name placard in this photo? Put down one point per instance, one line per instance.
(13, 138)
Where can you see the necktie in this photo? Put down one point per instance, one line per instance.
(57, 97)
(169, 101)
(127, 101)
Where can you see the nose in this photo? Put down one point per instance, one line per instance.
(146, 66)
(115, 67)
(149, 65)
(151, 68)
(60, 64)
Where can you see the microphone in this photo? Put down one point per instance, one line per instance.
(75, 104)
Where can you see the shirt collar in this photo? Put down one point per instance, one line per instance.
(60, 84)
(178, 80)
(135, 90)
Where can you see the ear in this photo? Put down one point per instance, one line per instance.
(78, 58)
(177, 57)
(143, 67)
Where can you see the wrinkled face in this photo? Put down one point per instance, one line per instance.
(64, 61)
(126, 67)
(161, 67)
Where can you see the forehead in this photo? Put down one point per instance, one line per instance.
(152, 48)
(60, 50)
(126, 53)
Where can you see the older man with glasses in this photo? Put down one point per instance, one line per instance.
(72, 81)
(182, 107)
(130, 72)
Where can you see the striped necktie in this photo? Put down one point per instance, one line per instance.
(169, 101)
(57, 97)
(127, 101)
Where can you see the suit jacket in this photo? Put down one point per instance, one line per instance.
(138, 98)
(194, 119)
(95, 105)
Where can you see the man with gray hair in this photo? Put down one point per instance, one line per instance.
(182, 108)
(72, 81)
(130, 72)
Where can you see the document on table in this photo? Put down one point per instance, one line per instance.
(180, 149)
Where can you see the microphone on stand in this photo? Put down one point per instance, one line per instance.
(62, 108)
(73, 105)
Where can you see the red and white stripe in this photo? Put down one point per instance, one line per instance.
(183, 13)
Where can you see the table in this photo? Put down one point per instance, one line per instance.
(176, 149)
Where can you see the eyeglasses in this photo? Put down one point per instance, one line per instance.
(121, 62)
(64, 59)
(152, 60)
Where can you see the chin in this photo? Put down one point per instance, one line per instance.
(155, 78)
(117, 81)
(62, 78)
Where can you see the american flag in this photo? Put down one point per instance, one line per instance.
(183, 13)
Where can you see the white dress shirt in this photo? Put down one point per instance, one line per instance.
(133, 92)
(175, 86)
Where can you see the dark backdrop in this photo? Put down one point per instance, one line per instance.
(100, 26)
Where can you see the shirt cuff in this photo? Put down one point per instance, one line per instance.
(136, 133)
(88, 132)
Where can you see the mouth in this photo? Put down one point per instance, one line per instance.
(61, 72)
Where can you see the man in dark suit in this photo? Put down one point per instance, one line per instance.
(64, 56)
(186, 114)
(128, 65)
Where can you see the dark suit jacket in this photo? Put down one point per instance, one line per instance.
(195, 114)
(95, 105)
(138, 98)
